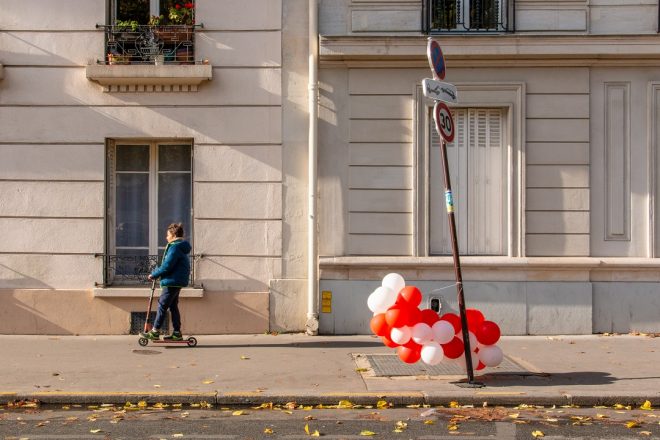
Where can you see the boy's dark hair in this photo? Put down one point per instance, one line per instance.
(176, 229)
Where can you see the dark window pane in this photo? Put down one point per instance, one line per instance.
(132, 158)
(132, 199)
(174, 203)
(483, 14)
(128, 10)
(174, 158)
(443, 14)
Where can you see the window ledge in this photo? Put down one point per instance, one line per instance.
(143, 292)
(149, 78)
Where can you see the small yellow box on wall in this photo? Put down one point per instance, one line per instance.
(326, 301)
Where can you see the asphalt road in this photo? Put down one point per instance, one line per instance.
(282, 422)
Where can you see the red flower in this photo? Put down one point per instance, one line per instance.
(178, 6)
(189, 5)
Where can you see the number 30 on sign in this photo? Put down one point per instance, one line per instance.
(444, 123)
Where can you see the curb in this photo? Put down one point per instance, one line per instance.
(397, 399)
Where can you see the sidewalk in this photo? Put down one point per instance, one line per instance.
(254, 369)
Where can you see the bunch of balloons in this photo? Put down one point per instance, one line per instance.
(422, 334)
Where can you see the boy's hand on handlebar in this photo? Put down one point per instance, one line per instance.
(149, 277)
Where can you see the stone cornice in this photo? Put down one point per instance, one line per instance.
(149, 78)
(495, 50)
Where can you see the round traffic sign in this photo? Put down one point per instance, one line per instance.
(436, 59)
(444, 122)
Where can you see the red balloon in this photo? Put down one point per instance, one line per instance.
(414, 316)
(411, 295)
(379, 325)
(488, 333)
(454, 320)
(454, 348)
(474, 319)
(430, 317)
(413, 345)
(408, 355)
(396, 316)
(481, 366)
(388, 342)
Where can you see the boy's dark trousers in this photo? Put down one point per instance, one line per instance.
(169, 299)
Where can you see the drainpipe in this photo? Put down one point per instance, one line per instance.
(312, 325)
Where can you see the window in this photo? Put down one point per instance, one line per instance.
(149, 187)
(478, 171)
(465, 15)
(150, 32)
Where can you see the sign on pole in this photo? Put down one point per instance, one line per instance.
(439, 91)
(436, 59)
(444, 122)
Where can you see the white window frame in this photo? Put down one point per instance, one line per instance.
(509, 96)
(111, 205)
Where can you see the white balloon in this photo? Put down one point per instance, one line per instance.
(422, 333)
(443, 332)
(400, 335)
(473, 340)
(395, 282)
(381, 299)
(432, 353)
(491, 355)
(475, 361)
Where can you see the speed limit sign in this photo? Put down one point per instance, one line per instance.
(444, 123)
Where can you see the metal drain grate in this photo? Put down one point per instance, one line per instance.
(137, 322)
(391, 365)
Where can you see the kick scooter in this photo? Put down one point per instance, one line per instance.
(190, 341)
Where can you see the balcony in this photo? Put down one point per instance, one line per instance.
(465, 16)
(150, 59)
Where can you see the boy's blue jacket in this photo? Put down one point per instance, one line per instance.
(174, 270)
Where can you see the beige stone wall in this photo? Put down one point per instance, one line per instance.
(54, 124)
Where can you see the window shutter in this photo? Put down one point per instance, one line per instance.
(477, 162)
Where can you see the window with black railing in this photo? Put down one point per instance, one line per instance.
(148, 32)
(465, 16)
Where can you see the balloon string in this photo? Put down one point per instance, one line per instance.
(443, 288)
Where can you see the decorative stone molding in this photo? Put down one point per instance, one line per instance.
(149, 78)
(144, 292)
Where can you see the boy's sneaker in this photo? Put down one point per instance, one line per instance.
(153, 335)
(175, 336)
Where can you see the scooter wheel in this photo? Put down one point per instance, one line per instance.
(192, 342)
(143, 341)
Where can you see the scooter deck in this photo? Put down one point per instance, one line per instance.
(190, 341)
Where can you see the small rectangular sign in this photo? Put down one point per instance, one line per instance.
(326, 301)
(439, 91)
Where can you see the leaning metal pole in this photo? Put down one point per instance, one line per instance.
(457, 263)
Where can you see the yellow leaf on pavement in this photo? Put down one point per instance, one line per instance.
(429, 422)
(538, 434)
(237, 413)
(306, 428)
(647, 433)
(514, 415)
(454, 404)
(142, 404)
(315, 434)
(361, 370)
(344, 404)
(244, 358)
(382, 404)
(268, 431)
(602, 416)
(646, 406)
(367, 433)
(452, 427)
(207, 382)
(632, 424)
(94, 431)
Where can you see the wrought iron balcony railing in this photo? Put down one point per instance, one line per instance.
(132, 270)
(167, 44)
(465, 16)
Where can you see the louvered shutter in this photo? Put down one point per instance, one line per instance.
(477, 164)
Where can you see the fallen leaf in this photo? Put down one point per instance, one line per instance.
(237, 413)
(646, 406)
(207, 382)
(142, 404)
(177, 435)
(244, 358)
(514, 415)
(454, 404)
(602, 416)
(361, 370)
(345, 404)
(452, 427)
(156, 386)
(429, 422)
(367, 433)
(94, 431)
(537, 434)
(413, 406)
(382, 404)
(632, 424)
(268, 431)
(647, 433)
